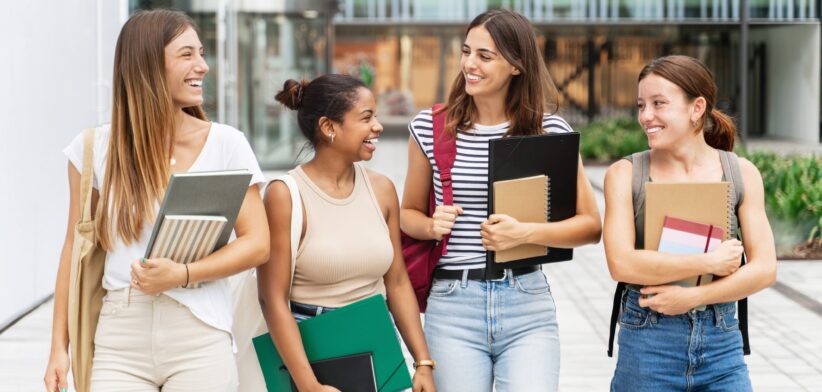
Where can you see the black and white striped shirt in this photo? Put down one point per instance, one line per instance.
(470, 182)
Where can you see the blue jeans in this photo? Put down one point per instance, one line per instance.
(695, 351)
(500, 331)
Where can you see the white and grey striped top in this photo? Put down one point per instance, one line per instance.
(470, 182)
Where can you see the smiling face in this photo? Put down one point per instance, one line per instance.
(185, 69)
(359, 130)
(665, 112)
(487, 74)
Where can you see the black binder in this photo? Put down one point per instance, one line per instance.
(555, 155)
(348, 373)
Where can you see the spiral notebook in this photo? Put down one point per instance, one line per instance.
(707, 203)
(526, 200)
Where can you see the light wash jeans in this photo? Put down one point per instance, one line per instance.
(695, 351)
(499, 333)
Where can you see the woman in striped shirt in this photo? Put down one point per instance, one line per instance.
(501, 332)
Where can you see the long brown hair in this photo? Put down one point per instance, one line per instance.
(696, 80)
(531, 93)
(142, 125)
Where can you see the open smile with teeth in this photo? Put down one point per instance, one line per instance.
(653, 130)
(370, 144)
(472, 77)
(194, 82)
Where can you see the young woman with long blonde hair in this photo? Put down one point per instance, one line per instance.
(158, 335)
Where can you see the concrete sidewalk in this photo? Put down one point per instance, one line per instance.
(784, 320)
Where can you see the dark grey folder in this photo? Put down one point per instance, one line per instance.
(555, 155)
(353, 373)
(215, 193)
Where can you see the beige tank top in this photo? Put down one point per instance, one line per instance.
(346, 249)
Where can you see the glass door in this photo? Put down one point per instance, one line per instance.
(273, 48)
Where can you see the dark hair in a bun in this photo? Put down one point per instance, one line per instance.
(292, 94)
(329, 96)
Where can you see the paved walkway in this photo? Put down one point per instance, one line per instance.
(785, 320)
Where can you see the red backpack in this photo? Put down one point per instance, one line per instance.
(421, 257)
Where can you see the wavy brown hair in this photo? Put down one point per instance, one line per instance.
(531, 94)
(696, 80)
(142, 125)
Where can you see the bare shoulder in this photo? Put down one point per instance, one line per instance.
(381, 183)
(276, 195)
(748, 169)
(619, 170)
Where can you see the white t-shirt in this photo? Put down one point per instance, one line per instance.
(226, 148)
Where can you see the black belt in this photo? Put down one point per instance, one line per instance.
(308, 310)
(479, 273)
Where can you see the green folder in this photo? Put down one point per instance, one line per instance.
(361, 327)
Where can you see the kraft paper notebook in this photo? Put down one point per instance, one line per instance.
(706, 203)
(362, 327)
(553, 155)
(526, 200)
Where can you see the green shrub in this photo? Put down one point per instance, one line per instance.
(793, 189)
(609, 140)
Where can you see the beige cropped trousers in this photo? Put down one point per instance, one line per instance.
(154, 343)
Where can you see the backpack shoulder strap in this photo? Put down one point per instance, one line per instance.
(445, 153)
(641, 163)
(730, 166)
(296, 219)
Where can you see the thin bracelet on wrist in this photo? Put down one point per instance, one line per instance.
(187, 277)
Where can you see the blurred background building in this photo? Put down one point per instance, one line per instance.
(408, 52)
(56, 78)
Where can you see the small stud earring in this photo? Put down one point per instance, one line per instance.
(332, 137)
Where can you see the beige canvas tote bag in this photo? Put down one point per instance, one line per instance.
(86, 282)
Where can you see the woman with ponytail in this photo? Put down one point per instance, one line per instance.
(156, 332)
(349, 248)
(666, 342)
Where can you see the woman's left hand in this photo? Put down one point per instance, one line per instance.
(670, 300)
(154, 276)
(424, 380)
(502, 232)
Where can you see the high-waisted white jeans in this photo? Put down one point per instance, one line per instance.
(149, 343)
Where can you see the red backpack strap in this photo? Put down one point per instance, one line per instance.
(445, 153)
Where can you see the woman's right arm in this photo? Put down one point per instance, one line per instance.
(648, 267)
(414, 219)
(274, 284)
(58, 365)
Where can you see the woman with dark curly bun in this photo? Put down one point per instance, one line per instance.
(350, 242)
